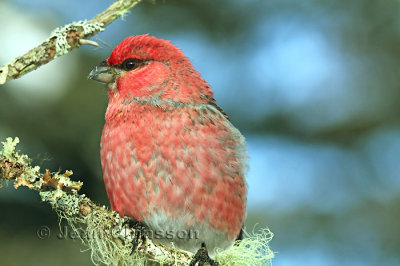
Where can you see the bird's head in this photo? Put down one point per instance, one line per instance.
(146, 67)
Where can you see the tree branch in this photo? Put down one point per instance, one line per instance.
(102, 230)
(63, 40)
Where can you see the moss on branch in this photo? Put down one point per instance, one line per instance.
(110, 240)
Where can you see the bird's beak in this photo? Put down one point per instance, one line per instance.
(102, 73)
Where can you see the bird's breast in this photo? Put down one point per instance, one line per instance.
(186, 162)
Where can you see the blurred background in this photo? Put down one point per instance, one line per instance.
(313, 85)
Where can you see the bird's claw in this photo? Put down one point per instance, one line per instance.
(201, 257)
(140, 232)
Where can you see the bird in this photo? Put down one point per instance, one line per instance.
(171, 158)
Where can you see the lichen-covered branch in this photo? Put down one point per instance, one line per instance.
(108, 238)
(63, 40)
(102, 230)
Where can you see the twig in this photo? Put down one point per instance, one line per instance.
(63, 40)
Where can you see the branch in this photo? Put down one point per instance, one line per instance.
(102, 230)
(63, 40)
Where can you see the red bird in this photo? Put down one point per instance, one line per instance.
(171, 158)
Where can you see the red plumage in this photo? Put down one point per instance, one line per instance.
(169, 154)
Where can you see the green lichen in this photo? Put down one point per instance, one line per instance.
(89, 28)
(68, 204)
(64, 178)
(62, 46)
(9, 147)
(252, 250)
(3, 74)
(30, 176)
(9, 151)
(122, 12)
(103, 234)
(61, 201)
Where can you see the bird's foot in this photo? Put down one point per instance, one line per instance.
(201, 257)
(140, 232)
(239, 238)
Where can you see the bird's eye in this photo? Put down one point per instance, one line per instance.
(130, 64)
